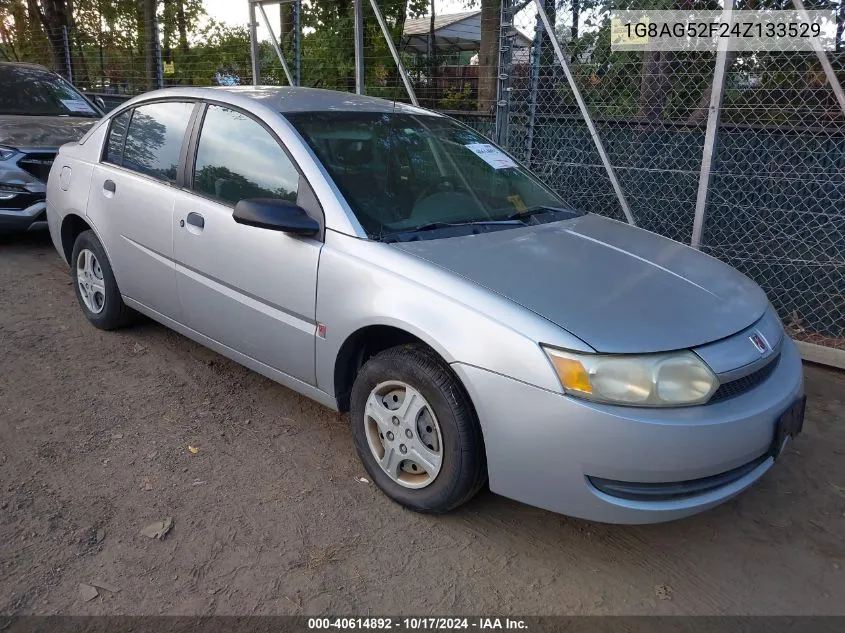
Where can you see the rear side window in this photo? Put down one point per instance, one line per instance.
(117, 132)
(238, 159)
(154, 139)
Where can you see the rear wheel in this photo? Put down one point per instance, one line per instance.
(415, 430)
(95, 285)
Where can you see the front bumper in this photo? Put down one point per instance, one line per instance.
(32, 218)
(543, 447)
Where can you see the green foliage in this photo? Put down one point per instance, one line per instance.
(107, 50)
(458, 99)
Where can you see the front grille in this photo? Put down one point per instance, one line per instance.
(746, 383)
(673, 491)
(38, 164)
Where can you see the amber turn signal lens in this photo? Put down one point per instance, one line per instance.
(572, 374)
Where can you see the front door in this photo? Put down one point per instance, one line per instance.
(251, 289)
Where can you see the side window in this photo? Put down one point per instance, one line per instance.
(154, 139)
(238, 159)
(117, 132)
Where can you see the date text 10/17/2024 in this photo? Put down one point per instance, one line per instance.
(414, 624)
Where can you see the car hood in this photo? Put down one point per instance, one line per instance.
(618, 288)
(41, 132)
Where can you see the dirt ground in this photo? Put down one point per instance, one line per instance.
(270, 518)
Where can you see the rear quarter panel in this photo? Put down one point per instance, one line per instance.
(69, 184)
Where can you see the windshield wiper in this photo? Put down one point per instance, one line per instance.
(442, 225)
(527, 213)
(404, 234)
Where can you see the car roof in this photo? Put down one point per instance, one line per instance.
(28, 66)
(290, 99)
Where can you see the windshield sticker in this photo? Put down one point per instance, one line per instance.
(491, 155)
(77, 105)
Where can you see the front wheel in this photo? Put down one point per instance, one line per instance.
(415, 430)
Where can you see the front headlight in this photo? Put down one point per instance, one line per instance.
(651, 380)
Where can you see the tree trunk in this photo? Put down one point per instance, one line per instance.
(654, 84)
(168, 31)
(488, 54)
(548, 71)
(573, 31)
(80, 64)
(183, 27)
(432, 58)
(54, 18)
(150, 43)
(286, 15)
(656, 76)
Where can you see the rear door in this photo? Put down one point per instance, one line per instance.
(249, 288)
(132, 197)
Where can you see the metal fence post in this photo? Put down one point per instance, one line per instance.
(534, 85)
(297, 44)
(399, 65)
(503, 75)
(68, 64)
(255, 54)
(359, 47)
(561, 58)
(713, 113)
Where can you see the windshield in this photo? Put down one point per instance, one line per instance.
(35, 92)
(407, 172)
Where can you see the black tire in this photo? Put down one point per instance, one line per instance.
(115, 313)
(464, 468)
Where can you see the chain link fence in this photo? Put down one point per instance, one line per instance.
(776, 200)
(775, 207)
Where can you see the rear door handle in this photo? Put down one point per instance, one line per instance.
(109, 186)
(195, 219)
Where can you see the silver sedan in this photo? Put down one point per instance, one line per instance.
(389, 261)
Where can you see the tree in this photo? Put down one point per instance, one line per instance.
(150, 44)
(54, 16)
(488, 53)
(286, 26)
(432, 54)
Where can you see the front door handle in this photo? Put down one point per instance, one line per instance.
(109, 186)
(195, 219)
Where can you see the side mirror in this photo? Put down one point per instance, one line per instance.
(276, 215)
(101, 104)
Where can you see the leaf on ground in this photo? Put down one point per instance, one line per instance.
(87, 593)
(158, 530)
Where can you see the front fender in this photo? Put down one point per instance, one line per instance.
(363, 283)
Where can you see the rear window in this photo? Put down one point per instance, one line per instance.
(117, 134)
(35, 92)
